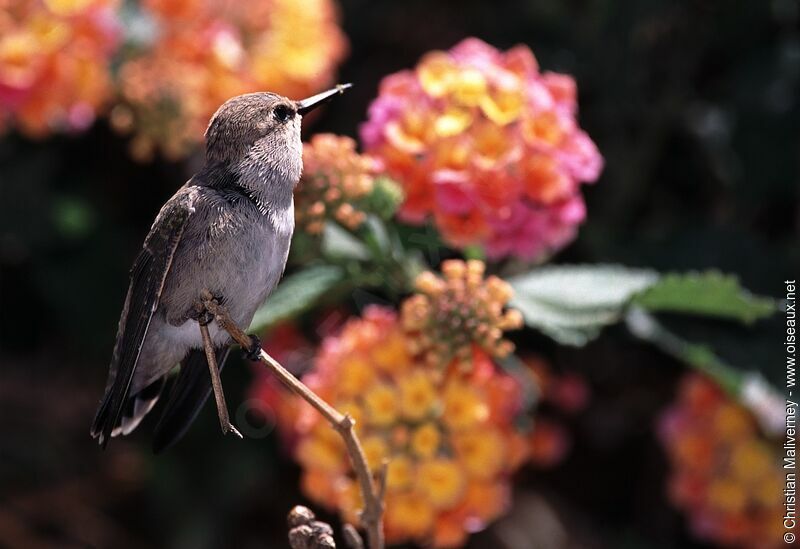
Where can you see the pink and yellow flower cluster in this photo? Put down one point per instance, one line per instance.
(335, 179)
(55, 60)
(726, 474)
(448, 433)
(487, 145)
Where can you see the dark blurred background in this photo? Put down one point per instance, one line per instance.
(695, 106)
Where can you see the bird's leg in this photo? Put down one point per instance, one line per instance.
(216, 382)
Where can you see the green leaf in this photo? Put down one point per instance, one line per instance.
(295, 294)
(572, 303)
(378, 234)
(339, 243)
(709, 293)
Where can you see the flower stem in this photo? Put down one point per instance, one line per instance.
(645, 326)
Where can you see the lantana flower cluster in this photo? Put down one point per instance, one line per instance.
(449, 434)
(183, 58)
(335, 180)
(488, 146)
(55, 60)
(726, 474)
(457, 311)
(205, 51)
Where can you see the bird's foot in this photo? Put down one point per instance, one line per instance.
(254, 352)
(229, 428)
(205, 318)
(201, 312)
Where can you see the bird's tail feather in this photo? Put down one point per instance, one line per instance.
(137, 406)
(133, 411)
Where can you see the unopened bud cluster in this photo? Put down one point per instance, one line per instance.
(335, 180)
(451, 313)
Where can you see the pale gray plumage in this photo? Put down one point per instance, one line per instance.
(227, 230)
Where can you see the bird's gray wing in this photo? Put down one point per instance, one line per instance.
(190, 392)
(146, 284)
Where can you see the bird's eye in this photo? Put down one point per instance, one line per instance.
(283, 113)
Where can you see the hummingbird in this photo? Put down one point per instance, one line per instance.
(226, 232)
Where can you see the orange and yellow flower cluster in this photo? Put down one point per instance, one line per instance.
(204, 51)
(449, 434)
(449, 437)
(335, 179)
(181, 60)
(55, 58)
(488, 145)
(726, 475)
(452, 314)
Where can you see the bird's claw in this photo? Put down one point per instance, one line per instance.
(254, 352)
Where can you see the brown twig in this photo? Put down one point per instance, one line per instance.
(351, 537)
(372, 514)
(216, 384)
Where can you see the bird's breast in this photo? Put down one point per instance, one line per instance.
(238, 257)
(257, 256)
(282, 220)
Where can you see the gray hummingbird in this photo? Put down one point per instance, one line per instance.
(227, 231)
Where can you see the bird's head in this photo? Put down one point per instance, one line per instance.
(262, 127)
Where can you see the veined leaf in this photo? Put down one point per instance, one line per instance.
(572, 303)
(709, 293)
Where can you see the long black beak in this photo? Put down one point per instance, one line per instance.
(307, 105)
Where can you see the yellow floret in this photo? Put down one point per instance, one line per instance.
(464, 406)
(417, 396)
(441, 481)
(425, 440)
(482, 452)
(381, 403)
